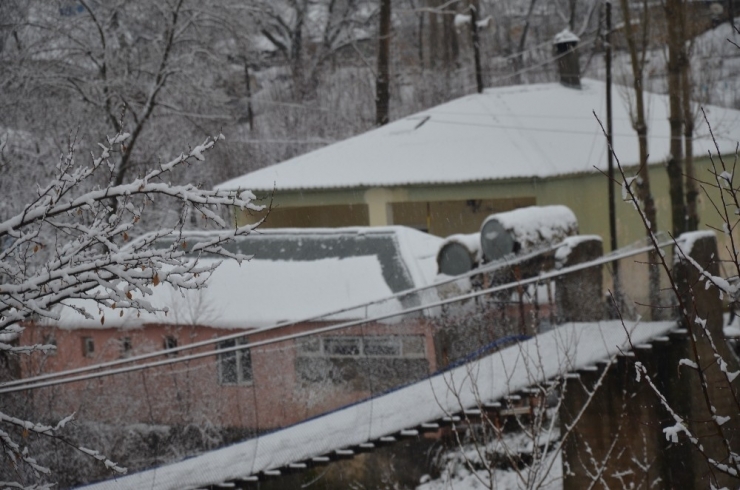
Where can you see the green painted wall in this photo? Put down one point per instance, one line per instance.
(585, 194)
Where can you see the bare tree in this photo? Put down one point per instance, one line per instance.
(709, 425)
(637, 36)
(675, 10)
(382, 83)
(70, 241)
(308, 33)
(81, 68)
(692, 189)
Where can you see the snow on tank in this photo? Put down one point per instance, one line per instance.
(459, 254)
(525, 229)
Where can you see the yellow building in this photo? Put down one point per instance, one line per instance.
(445, 169)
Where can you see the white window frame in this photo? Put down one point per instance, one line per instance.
(397, 340)
(239, 356)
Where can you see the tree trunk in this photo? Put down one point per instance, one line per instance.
(639, 121)
(382, 84)
(250, 113)
(674, 10)
(420, 40)
(692, 191)
(433, 34)
(476, 45)
(519, 58)
(451, 49)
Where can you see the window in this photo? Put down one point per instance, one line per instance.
(234, 367)
(170, 342)
(50, 340)
(126, 347)
(382, 346)
(88, 346)
(342, 346)
(371, 346)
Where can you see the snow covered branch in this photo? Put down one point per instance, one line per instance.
(79, 238)
(709, 355)
(68, 244)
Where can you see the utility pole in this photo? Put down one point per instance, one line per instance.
(476, 44)
(609, 133)
(382, 81)
(610, 152)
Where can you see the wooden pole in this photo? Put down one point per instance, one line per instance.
(382, 84)
(476, 46)
(609, 134)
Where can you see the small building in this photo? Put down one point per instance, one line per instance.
(299, 280)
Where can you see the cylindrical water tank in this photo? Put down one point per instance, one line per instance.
(459, 254)
(525, 229)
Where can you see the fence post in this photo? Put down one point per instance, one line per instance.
(578, 295)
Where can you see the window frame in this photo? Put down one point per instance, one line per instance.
(308, 347)
(170, 342)
(127, 347)
(88, 346)
(243, 374)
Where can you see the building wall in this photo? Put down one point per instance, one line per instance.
(460, 208)
(444, 218)
(287, 384)
(325, 216)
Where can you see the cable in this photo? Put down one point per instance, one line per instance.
(493, 266)
(32, 384)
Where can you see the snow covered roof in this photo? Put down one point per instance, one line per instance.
(567, 348)
(523, 131)
(354, 266)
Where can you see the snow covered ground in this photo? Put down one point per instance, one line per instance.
(457, 475)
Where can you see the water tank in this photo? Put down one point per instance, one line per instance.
(525, 229)
(459, 254)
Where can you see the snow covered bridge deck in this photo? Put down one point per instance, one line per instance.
(567, 348)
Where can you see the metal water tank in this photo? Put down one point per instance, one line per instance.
(525, 229)
(459, 254)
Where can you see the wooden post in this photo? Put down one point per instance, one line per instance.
(476, 45)
(382, 84)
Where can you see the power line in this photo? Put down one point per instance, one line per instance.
(497, 265)
(524, 282)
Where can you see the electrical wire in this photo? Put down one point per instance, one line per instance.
(33, 383)
(491, 267)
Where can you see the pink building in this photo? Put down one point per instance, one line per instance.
(295, 279)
